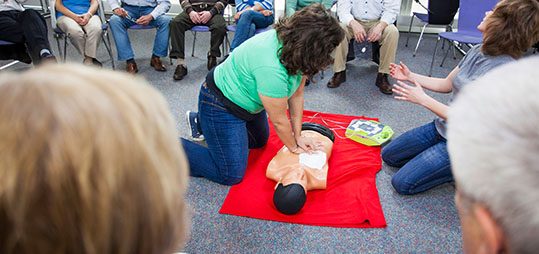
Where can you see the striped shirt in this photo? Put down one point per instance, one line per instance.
(242, 4)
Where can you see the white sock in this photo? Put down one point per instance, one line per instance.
(181, 61)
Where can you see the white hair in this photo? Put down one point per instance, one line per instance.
(493, 142)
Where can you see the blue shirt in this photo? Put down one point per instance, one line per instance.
(76, 6)
(242, 4)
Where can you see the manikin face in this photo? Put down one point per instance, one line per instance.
(482, 27)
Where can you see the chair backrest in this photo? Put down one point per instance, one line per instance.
(472, 13)
(442, 12)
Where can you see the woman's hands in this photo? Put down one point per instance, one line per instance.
(400, 72)
(306, 145)
(414, 94)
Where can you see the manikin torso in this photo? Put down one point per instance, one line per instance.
(309, 170)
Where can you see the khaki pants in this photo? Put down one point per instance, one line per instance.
(84, 38)
(388, 42)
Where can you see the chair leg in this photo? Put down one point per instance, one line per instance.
(409, 31)
(194, 40)
(420, 38)
(447, 52)
(65, 46)
(58, 45)
(108, 47)
(433, 55)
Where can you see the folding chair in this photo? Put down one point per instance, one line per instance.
(59, 34)
(470, 16)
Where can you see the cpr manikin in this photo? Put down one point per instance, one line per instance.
(296, 174)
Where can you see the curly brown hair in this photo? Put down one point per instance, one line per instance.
(308, 37)
(512, 28)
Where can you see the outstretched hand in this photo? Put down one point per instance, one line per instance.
(400, 72)
(414, 94)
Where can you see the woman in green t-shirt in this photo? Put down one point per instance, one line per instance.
(264, 76)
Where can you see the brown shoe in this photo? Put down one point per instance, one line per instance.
(383, 84)
(337, 79)
(212, 62)
(157, 64)
(132, 68)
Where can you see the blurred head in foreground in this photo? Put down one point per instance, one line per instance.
(493, 140)
(89, 163)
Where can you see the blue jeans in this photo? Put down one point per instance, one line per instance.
(119, 26)
(246, 26)
(422, 156)
(229, 139)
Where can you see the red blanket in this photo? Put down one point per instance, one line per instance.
(350, 200)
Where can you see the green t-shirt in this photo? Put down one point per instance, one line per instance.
(254, 68)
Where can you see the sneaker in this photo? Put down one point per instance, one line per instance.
(180, 72)
(192, 123)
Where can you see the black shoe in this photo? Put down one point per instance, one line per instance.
(307, 82)
(96, 62)
(180, 72)
(337, 79)
(212, 62)
(383, 84)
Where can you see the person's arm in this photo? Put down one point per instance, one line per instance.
(390, 12)
(416, 94)
(114, 4)
(440, 85)
(276, 109)
(162, 7)
(344, 11)
(218, 7)
(94, 5)
(295, 106)
(290, 7)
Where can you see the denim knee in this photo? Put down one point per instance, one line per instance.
(401, 186)
(115, 21)
(230, 180)
(388, 157)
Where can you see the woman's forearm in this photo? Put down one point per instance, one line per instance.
(94, 4)
(434, 84)
(295, 106)
(436, 107)
(284, 131)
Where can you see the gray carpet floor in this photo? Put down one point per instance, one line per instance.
(424, 223)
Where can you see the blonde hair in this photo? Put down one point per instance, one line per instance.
(493, 145)
(89, 163)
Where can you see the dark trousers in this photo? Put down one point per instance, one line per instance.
(182, 23)
(26, 27)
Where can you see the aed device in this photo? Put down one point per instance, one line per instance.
(368, 132)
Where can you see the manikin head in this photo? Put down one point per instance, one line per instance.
(493, 145)
(291, 192)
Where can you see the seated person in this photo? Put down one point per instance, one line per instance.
(296, 174)
(372, 21)
(494, 155)
(147, 13)
(421, 153)
(89, 163)
(251, 15)
(19, 25)
(78, 19)
(197, 13)
(294, 5)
